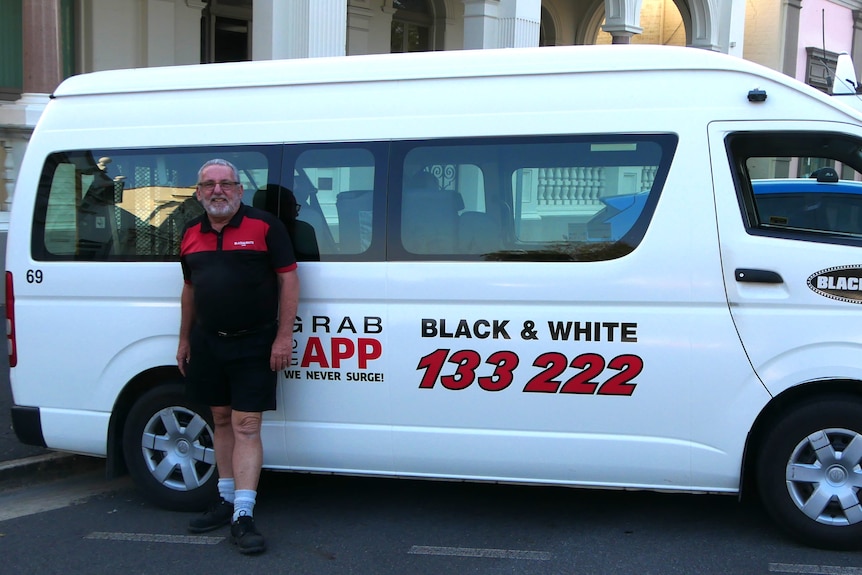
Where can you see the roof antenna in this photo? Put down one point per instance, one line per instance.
(830, 81)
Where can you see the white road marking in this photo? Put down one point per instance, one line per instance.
(155, 538)
(813, 569)
(25, 501)
(483, 553)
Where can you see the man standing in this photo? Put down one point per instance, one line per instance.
(238, 307)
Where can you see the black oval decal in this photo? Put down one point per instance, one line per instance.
(843, 283)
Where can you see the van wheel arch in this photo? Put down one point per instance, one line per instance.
(133, 390)
(773, 411)
(828, 413)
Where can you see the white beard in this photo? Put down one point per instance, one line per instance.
(221, 209)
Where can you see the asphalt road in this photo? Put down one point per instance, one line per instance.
(324, 525)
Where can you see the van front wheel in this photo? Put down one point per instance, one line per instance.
(809, 474)
(168, 447)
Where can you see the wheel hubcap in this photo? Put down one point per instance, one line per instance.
(178, 449)
(824, 476)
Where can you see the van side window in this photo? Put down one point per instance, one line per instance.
(804, 186)
(336, 188)
(131, 205)
(580, 198)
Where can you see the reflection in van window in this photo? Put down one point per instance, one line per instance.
(98, 205)
(531, 199)
(807, 185)
(334, 187)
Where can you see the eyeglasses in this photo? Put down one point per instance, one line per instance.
(225, 185)
(298, 208)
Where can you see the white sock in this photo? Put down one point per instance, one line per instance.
(226, 489)
(243, 503)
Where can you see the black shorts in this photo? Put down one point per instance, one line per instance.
(232, 371)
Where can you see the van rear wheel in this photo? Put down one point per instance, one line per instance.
(809, 474)
(168, 447)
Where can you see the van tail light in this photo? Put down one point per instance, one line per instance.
(10, 321)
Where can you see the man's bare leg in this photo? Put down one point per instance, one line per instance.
(247, 459)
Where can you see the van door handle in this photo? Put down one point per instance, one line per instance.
(758, 276)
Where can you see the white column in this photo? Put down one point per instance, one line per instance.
(159, 29)
(266, 18)
(9, 172)
(187, 31)
(732, 29)
(481, 26)
(380, 42)
(622, 19)
(519, 23)
(299, 29)
(359, 15)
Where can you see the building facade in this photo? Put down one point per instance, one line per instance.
(44, 41)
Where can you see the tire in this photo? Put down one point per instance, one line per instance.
(809, 475)
(168, 448)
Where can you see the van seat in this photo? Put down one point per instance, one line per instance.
(354, 209)
(479, 233)
(429, 221)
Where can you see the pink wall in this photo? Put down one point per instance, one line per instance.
(816, 16)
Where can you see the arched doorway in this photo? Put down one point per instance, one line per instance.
(671, 22)
(662, 22)
(547, 29)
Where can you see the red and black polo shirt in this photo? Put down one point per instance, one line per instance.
(233, 272)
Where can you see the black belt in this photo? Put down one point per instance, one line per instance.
(244, 332)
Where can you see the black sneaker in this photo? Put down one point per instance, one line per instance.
(245, 535)
(216, 516)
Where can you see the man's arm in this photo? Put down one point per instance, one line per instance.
(187, 318)
(288, 298)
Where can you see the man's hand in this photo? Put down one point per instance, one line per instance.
(183, 356)
(282, 349)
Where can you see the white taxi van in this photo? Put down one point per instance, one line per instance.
(546, 266)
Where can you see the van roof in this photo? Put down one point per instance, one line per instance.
(383, 67)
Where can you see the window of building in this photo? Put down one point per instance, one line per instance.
(226, 31)
(820, 68)
(68, 38)
(11, 50)
(12, 45)
(412, 25)
(805, 186)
